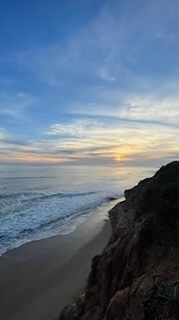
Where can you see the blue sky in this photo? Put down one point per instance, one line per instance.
(89, 82)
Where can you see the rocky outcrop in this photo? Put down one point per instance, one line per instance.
(137, 275)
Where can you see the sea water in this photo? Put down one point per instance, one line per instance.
(37, 202)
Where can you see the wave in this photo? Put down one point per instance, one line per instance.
(36, 210)
(35, 195)
(25, 178)
(59, 226)
(61, 220)
(52, 220)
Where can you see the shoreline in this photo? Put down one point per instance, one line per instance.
(65, 228)
(39, 278)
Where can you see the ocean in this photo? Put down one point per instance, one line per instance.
(37, 202)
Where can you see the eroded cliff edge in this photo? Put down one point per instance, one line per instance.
(137, 275)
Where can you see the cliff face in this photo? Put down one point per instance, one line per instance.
(137, 275)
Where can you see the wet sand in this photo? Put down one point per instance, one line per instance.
(39, 278)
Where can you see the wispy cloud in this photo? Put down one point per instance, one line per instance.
(143, 108)
(15, 105)
(115, 142)
(104, 74)
(76, 129)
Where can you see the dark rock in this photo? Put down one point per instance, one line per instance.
(112, 198)
(72, 312)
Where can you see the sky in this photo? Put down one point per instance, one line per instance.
(87, 82)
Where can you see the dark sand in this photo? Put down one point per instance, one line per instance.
(39, 278)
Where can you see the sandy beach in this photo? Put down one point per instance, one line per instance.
(40, 277)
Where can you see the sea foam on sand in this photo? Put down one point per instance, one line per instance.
(39, 278)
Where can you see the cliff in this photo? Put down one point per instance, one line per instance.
(137, 275)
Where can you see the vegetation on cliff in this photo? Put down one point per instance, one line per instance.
(137, 275)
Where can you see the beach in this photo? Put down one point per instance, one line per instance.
(39, 278)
